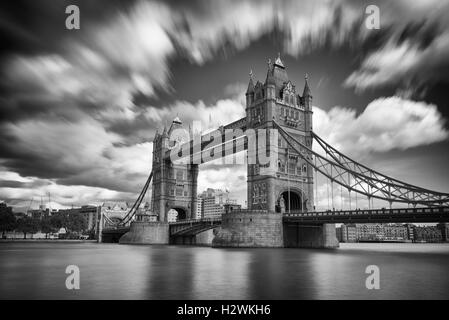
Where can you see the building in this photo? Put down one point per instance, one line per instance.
(347, 233)
(427, 234)
(174, 184)
(376, 232)
(370, 232)
(214, 201)
(89, 214)
(229, 207)
(172, 215)
(444, 228)
(42, 211)
(199, 207)
(114, 211)
(395, 232)
(285, 184)
(410, 232)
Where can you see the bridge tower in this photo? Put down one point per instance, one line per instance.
(287, 183)
(174, 185)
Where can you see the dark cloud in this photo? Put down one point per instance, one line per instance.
(20, 184)
(78, 109)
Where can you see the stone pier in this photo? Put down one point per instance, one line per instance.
(310, 236)
(143, 232)
(253, 228)
(250, 229)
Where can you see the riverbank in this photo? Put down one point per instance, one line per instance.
(47, 240)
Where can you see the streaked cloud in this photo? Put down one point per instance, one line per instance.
(386, 124)
(70, 124)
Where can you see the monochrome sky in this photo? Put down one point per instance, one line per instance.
(79, 108)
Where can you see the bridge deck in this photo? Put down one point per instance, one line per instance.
(433, 214)
(402, 215)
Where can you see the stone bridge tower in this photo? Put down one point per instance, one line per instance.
(287, 183)
(174, 185)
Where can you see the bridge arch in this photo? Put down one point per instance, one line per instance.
(115, 219)
(181, 211)
(297, 200)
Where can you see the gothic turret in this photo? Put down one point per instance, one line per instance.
(270, 77)
(250, 91)
(279, 62)
(306, 92)
(307, 98)
(276, 76)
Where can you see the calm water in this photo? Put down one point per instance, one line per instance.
(112, 271)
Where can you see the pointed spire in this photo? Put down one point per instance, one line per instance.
(190, 132)
(279, 62)
(270, 77)
(307, 91)
(164, 133)
(250, 84)
(177, 120)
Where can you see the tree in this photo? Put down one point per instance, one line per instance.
(76, 222)
(7, 222)
(57, 221)
(27, 225)
(47, 226)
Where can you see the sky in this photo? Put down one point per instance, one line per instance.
(79, 108)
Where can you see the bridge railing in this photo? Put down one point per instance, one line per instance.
(187, 221)
(249, 211)
(369, 212)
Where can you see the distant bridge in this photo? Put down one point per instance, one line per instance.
(178, 229)
(192, 227)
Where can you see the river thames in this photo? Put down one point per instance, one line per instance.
(113, 271)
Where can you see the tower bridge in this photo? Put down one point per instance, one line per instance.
(282, 171)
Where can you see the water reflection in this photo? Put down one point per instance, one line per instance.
(111, 271)
(221, 273)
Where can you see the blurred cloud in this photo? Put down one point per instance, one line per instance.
(69, 123)
(413, 54)
(385, 124)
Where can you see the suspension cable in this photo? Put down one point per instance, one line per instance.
(361, 175)
(349, 192)
(332, 192)
(316, 188)
(341, 197)
(138, 201)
